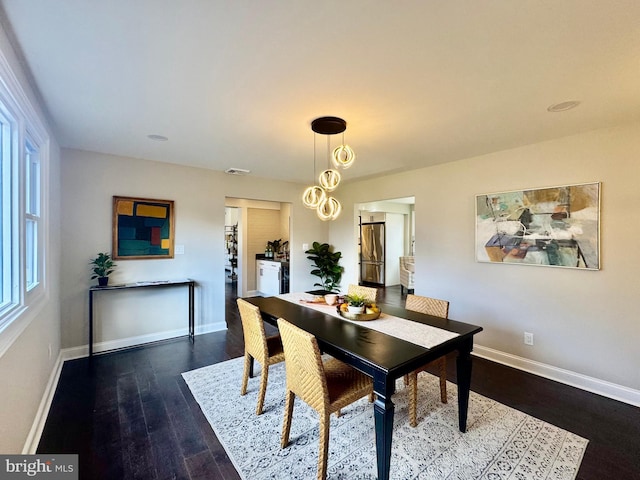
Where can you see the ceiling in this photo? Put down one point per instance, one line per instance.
(237, 83)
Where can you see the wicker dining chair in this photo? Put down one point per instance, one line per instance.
(370, 293)
(438, 308)
(325, 386)
(266, 350)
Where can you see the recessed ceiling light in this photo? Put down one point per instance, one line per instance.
(157, 138)
(237, 171)
(563, 106)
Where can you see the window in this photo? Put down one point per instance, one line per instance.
(32, 215)
(23, 158)
(8, 206)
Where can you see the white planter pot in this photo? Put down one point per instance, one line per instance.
(353, 309)
(331, 298)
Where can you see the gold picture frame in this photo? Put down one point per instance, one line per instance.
(143, 228)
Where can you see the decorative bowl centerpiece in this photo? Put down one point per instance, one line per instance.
(357, 308)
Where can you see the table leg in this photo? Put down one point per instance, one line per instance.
(192, 322)
(463, 367)
(90, 324)
(383, 410)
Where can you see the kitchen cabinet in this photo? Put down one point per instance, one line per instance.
(268, 277)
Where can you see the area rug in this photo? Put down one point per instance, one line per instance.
(500, 443)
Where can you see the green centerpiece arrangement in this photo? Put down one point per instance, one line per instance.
(355, 303)
(358, 307)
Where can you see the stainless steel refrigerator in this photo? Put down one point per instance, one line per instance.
(372, 258)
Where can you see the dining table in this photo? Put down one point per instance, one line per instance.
(380, 352)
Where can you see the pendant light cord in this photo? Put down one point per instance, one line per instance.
(328, 152)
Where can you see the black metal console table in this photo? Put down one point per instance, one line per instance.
(189, 283)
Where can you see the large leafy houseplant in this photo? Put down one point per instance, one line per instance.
(326, 265)
(103, 266)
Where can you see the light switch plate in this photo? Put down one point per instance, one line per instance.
(179, 250)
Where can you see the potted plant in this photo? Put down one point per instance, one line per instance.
(326, 265)
(275, 246)
(356, 303)
(103, 266)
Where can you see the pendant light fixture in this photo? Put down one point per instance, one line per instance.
(312, 196)
(329, 209)
(343, 155)
(315, 196)
(329, 180)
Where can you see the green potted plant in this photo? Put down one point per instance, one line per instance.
(356, 303)
(275, 246)
(103, 266)
(326, 265)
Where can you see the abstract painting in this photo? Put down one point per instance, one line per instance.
(142, 228)
(554, 226)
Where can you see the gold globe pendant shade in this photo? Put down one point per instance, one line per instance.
(343, 156)
(329, 180)
(312, 196)
(328, 209)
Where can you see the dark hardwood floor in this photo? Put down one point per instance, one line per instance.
(130, 415)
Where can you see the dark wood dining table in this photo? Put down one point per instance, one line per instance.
(382, 357)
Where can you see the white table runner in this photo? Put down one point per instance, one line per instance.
(418, 333)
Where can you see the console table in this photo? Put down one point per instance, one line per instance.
(161, 284)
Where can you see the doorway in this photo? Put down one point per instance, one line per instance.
(386, 233)
(258, 223)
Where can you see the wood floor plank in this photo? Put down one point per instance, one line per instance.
(201, 466)
(169, 461)
(136, 440)
(187, 431)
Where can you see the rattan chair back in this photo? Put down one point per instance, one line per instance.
(370, 293)
(255, 338)
(305, 373)
(266, 350)
(326, 386)
(430, 306)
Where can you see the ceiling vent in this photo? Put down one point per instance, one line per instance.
(563, 106)
(237, 171)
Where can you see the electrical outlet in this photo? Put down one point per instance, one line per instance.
(528, 338)
(305, 247)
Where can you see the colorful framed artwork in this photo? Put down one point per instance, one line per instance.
(142, 228)
(554, 226)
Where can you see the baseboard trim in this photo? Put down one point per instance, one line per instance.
(583, 382)
(103, 347)
(211, 327)
(33, 439)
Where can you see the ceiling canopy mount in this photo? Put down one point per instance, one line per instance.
(328, 125)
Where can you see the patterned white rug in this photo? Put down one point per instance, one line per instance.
(501, 443)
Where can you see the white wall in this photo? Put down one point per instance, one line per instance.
(26, 367)
(89, 181)
(263, 227)
(584, 322)
(395, 243)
